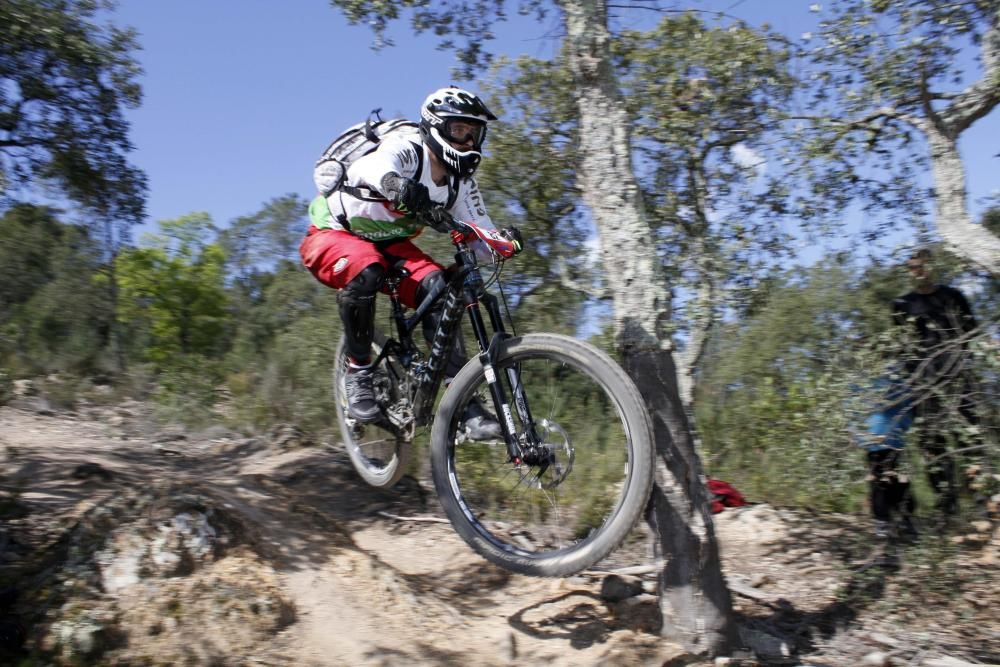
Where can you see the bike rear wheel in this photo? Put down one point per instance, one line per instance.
(558, 519)
(378, 452)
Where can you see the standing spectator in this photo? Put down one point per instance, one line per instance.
(938, 322)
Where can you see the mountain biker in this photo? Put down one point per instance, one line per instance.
(395, 191)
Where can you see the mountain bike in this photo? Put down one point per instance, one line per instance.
(573, 471)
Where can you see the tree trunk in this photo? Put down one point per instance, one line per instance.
(963, 237)
(942, 128)
(701, 309)
(697, 610)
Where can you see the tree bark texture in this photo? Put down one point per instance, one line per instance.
(960, 233)
(942, 129)
(695, 602)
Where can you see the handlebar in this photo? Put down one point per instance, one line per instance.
(502, 244)
(439, 219)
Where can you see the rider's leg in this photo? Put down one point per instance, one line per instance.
(356, 267)
(357, 312)
(939, 461)
(892, 502)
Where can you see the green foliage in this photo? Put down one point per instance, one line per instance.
(54, 313)
(6, 387)
(991, 220)
(470, 21)
(704, 122)
(529, 182)
(66, 80)
(256, 242)
(784, 392)
(896, 52)
(280, 364)
(185, 391)
(173, 292)
(762, 397)
(883, 75)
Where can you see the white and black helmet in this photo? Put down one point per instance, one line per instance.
(450, 107)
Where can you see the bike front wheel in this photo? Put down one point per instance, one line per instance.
(570, 511)
(378, 451)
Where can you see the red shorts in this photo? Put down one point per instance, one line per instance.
(336, 257)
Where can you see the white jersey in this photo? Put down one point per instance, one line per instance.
(377, 219)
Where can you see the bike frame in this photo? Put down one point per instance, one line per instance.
(464, 290)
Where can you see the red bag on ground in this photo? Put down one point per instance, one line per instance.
(724, 495)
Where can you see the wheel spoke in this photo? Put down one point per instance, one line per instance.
(563, 504)
(380, 458)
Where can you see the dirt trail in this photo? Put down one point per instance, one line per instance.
(306, 567)
(366, 589)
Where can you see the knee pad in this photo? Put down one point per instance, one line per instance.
(357, 310)
(364, 286)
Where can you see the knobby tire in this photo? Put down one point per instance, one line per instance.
(379, 456)
(566, 519)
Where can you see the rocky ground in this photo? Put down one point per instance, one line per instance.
(125, 544)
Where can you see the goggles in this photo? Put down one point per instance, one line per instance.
(462, 130)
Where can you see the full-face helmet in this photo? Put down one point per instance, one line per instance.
(453, 124)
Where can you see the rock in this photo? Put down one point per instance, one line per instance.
(761, 521)
(764, 645)
(23, 388)
(121, 564)
(88, 470)
(640, 613)
(289, 436)
(183, 542)
(37, 404)
(948, 661)
(170, 545)
(882, 639)
(169, 436)
(876, 659)
(982, 526)
(616, 588)
(79, 637)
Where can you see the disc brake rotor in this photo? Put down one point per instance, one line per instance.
(557, 442)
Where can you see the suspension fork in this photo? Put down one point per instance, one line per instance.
(513, 372)
(489, 350)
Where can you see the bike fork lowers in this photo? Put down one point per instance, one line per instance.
(489, 348)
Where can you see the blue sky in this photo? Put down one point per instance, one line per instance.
(240, 97)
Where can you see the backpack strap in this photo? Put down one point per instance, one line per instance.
(362, 193)
(453, 186)
(368, 194)
(419, 148)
